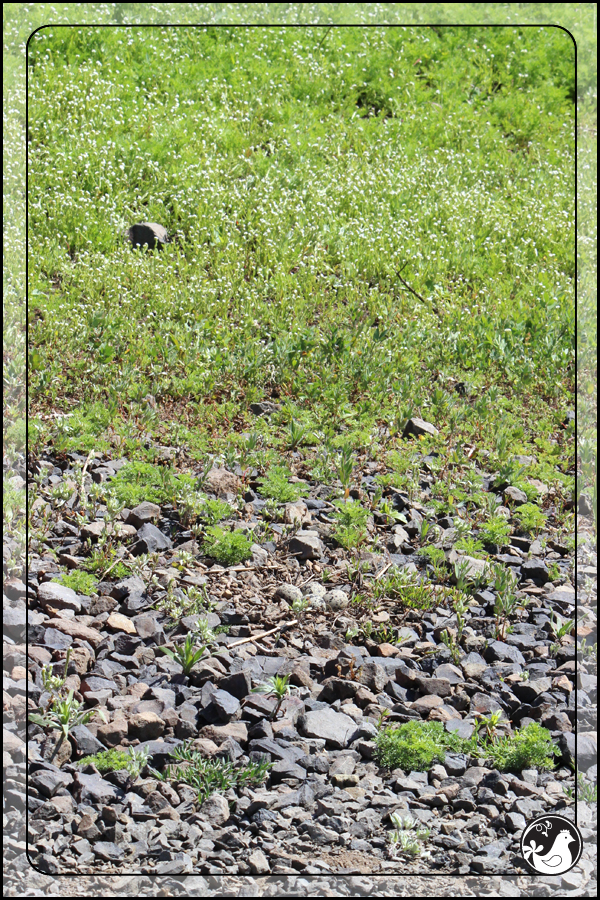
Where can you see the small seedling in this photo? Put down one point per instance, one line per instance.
(187, 656)
(406, 836)
(64, 713)
(277, 685)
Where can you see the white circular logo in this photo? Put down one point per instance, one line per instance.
(551, 845)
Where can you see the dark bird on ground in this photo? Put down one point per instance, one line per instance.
(148, 234)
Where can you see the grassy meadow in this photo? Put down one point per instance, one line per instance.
(315, 175)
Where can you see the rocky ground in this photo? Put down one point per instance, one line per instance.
(319, 821)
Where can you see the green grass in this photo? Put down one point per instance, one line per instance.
(309, 189)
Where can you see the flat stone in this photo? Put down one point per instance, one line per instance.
(126, 587)
(221, 482)
(424, 705)
(306, 545)
(417, 427)
(118, 622)
(226, 704)
(56, 595)
(144, 512)
(258, 862)
(108, 851)
(76, 630)
(146, 726)
(514, 496)
(151, 540)
(86, 742)
(215, 809)
(498, 651)
(534, 569)
(335, 728)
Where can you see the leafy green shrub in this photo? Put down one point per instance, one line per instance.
(529, 748)
(275, 485)
(495, 531)
(530, 518)
(415, 746)
(469, 545)
(139, 481)
(80, 582)
(351, 521)
(112, 760)
(228, 547)
(212, 511)
(435, 555)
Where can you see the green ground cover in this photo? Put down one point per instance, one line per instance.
(308, 172)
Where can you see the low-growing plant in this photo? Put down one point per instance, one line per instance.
(561, 627)
(207, 776)
(228, 547)
(415, 746)
(80, 582)
(407, 589)
(344, 468)
(134, 760)
(187, 656)
(585, 791)
(275, 485)
(299, 607)
(529, 748)
(530, 518)
(178, 604)
(139, 481)
(212, 511)
(495, 531)
(350, 528)
(63, 714)
(204, 633)
(470, 545)
(407, 836)
(278, 686)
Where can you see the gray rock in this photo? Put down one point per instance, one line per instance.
(418, 426)
(335, 728)
(500, 651)
(587, 748)
(215, 810)
(86, 742)
(319, 834)
(109, 851)
(515, 496)
(306, 545)
(14, 622)
(226, 704)
(150, 540)
(258, 862)
(52, 593)
(534, 569)
(144, 512)
(48, 781)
